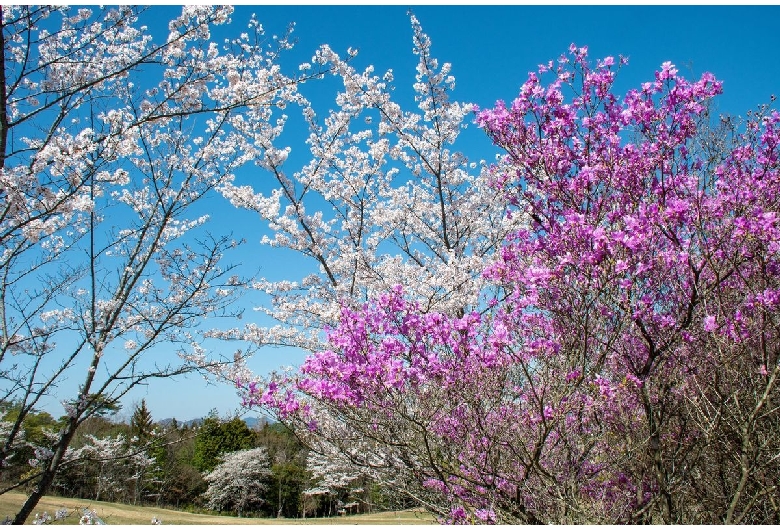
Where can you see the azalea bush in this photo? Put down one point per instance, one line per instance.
(625, 369)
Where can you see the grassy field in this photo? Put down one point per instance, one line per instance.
(112, 513)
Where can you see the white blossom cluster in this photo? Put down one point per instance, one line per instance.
(384, 199)
(238, 481)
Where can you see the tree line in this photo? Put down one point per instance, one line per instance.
(213, 465)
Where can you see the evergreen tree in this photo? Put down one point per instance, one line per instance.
(216, 438)
(141, 423)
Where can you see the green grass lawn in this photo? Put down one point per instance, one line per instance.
(113, 513)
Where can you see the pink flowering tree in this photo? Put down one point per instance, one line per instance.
(651, 271)
(109, 142)
(629, 374)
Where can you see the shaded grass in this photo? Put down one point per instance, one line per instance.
(114, 513)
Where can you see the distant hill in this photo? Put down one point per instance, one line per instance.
(167, 422)
(257, 422)
(252, 423)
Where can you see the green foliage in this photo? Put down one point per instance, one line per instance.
(33, 424)
(100, 427)
(141, 423)
(181, 453)
(216, 437)
(285, 487)
(288, 470)
(33, 429)
(177, 482)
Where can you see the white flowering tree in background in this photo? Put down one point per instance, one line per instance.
(337, 478)
(350, 448)
(109, 141)
(239, 480)
(106, 466)
(329, 473)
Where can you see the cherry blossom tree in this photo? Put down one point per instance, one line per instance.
(109, 141)
(239, 480)
(329, 474)
(630, 372)
(332, 476)
(107, 464)
(385, 198)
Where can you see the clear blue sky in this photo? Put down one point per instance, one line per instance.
(492, 49)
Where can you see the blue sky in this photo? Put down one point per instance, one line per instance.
(492, 49)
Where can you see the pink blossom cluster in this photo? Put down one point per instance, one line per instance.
(636, 337)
